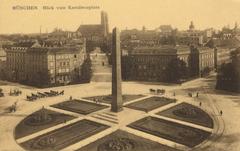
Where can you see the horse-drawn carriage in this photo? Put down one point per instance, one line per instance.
(157, 91)
(44, 94)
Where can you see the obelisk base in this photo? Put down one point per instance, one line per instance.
(116, 108)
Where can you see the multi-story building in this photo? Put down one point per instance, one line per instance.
(190, 36)
(60, 64)
(223, 48)
(2, 62)
(201, 60)
(135, 38)
(150, 63)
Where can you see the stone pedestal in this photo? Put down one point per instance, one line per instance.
(117, 104)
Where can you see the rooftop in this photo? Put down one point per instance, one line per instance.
(91, 29)
(162, 50)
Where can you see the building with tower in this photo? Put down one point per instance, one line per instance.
(191, 36)
(96, 34)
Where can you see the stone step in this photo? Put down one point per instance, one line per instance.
(104, 119)
(108, 116)
(111, 114)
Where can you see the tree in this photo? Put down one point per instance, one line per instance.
(86, 71)
(176, 71)
(3, 75)
(205, 71)
(39, 79)
(228, 77)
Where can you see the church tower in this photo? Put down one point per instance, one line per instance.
(191, 26)
(104, 23)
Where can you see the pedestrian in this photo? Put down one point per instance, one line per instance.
(70, 98)
(200, 103)
(221, 112)
(197, 95)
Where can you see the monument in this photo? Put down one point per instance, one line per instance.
(117, 103)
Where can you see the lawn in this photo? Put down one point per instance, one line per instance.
(188, 113)
(124, 141)
(151, 103)
(81, 107)
(30, 125)
(63, 137)
(175, 132)
(108, 98)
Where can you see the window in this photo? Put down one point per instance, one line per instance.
(51, 71)
(50, 57)
(51, 64)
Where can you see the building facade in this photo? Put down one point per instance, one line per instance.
(30, 61)
(149, 64)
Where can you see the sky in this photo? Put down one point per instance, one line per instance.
(122, 13)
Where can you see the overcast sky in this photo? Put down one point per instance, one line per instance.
(122, 13)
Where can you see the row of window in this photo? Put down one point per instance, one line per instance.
(61, 70)
(63, 56)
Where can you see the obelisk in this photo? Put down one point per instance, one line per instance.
(117, 103)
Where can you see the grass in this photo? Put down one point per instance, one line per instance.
(108, 98)
(126, 141)
(78, 106)
(63, 137)
(172, 131)
(27, 126)
(151, 103)
(188, 113)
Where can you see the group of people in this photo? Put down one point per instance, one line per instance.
(13, 108)
(15, 92)
(96, 100)
(1, 92)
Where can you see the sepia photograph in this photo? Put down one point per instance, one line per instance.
(123, 75)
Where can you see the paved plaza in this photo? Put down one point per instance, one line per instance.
(132, 129)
